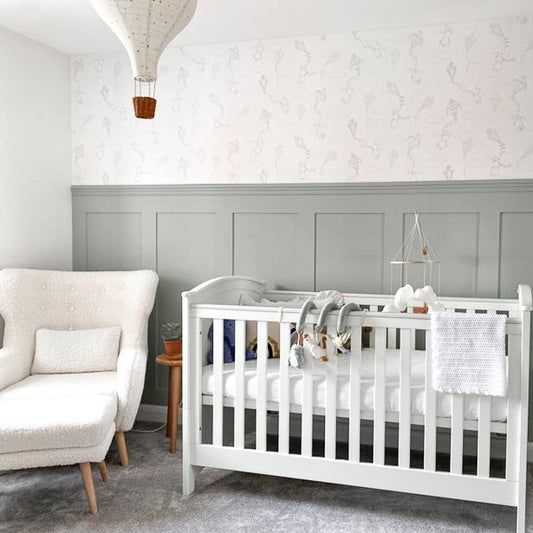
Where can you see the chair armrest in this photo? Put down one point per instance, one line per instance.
(131, 369)
(12, 368)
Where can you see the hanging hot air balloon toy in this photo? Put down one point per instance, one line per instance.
(145, 28)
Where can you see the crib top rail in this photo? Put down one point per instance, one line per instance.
(523, 302)
(228, 290)
(285, 315)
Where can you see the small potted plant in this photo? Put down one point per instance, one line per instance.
(171, 335)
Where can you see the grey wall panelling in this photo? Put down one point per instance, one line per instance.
(303, 237)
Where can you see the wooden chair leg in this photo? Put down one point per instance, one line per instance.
(178, 392)
(103, 471)
(122, 449)
(169, 402)
(87, 476)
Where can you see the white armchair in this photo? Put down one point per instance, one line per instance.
(34, 299)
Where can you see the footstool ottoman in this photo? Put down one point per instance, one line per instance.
(58, 431)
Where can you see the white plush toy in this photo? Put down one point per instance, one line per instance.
(315, 349)
(406, 294)
(428, 296)
(402, 297)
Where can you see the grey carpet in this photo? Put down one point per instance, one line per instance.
(147, 497)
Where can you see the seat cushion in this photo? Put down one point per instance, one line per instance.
(51, 423)
(87, 350)
(61, 385)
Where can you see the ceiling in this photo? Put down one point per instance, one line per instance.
(72, 26)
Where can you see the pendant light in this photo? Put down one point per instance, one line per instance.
(145, 28)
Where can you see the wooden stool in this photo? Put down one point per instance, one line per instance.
(174, 395)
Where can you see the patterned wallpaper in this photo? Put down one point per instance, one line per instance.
(431, 103)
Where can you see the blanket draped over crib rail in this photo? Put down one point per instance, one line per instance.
(469, 353)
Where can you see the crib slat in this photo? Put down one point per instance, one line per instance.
(456, 453)
(372, 336)
(430, 428)
(354, 438)
(218, 385)
(284, 392)
(483, 431)
(307, 403)
(260, 407)
(240, 349)
(410, 310)
(404, 438)
(457, 433)
(391, 338)
(379, 396)
(513, 409)
(331, 404)
(197, 363)
(483, 437)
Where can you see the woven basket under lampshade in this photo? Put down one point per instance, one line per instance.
(144, 106)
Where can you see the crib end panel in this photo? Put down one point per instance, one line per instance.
(525, 300)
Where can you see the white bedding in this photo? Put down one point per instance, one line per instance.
(392, 403)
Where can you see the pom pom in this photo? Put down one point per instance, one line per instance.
(403, 296)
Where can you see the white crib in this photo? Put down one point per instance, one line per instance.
(394, 389)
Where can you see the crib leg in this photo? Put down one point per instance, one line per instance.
(521, 519)
(522, 490)
(521, 513)
(521, 508)
(189, 476)
(188, 469)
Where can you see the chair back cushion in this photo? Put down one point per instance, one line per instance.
(67, 352)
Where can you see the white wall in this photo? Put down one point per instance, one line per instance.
(429, 103)
(35, 152)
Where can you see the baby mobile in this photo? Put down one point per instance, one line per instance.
(415, 253)
(415, 256)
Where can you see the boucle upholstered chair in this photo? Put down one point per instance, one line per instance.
(74, 415)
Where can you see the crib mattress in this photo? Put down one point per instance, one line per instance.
(392, 400)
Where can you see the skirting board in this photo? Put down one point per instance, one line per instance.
(153, 413)
(158, 413)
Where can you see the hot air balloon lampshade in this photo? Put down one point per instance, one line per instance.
(145, 28)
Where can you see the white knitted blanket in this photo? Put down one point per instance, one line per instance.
(468, 352)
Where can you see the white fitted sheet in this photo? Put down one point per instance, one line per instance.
(392, 401)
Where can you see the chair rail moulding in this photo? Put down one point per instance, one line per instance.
(399, 187)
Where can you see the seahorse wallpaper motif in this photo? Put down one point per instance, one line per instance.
(453, 102)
